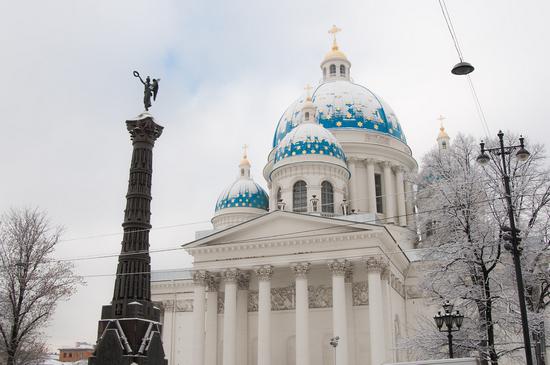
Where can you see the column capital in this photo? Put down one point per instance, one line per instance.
(300, 269)
(354, 159)
(230, 275)
(371, 161)
(398, 169)
(264, 272)
(243, 280)
(349, 274)
(200, 277)
(376, 264)
(213, 283)
(386, 164)
(339, 267)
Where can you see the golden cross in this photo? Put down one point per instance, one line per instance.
(245, 151)
(308, 91)
(333, 31)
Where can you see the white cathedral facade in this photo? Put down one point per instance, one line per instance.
(329, 252)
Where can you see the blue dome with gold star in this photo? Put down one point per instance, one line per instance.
(243, 193)
(309, 139)
(342, 104)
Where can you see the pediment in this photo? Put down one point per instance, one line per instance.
(281, 225)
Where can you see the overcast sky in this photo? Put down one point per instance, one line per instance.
(229, 69)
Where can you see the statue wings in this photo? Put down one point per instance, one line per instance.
(155, 88)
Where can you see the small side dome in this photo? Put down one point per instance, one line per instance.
(241, 201)
(243, 193)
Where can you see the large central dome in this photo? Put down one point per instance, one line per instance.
(344, 104)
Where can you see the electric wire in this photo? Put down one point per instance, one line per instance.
(454, 37)
(288, 235)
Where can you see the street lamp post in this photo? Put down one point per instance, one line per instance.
(522, 154)
(452, 322)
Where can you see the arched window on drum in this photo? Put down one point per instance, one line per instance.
(299, 197)
(327, 197)
(332, 70)
(342, 70)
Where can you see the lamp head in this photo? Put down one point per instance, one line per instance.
(462, 68)
(522, 154)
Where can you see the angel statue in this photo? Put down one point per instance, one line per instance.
(151, 89)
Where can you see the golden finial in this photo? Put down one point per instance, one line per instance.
(308, 92)
(442, 133)
(244, 160)
(333, 32)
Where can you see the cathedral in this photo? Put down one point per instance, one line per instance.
(319, 269)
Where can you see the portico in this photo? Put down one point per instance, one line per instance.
(288, 289)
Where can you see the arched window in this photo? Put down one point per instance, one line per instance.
(342, 70)
(327, 197)
(299, 197)
(307, 116)
(279, 194)
(332, 70)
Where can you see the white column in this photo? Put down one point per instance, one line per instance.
(350, 315)
(409, 204)
(230, 317)
(400, 190)
(361, 181)
(371, 186)
(376, 310)
(388, 325)
(389, 193)
(168, 319)
(211, 340)
(339, 317)
(200, 280)
(243, 281)
(302, 313)
(353, 198)
(264, 314)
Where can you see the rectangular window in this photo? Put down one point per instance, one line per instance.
(378, 189)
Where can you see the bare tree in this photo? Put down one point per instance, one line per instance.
(465, 251)
(31, 282)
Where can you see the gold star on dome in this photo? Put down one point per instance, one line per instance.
(360, 124)
(338, 124)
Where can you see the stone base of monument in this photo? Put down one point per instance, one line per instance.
(133, 339)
